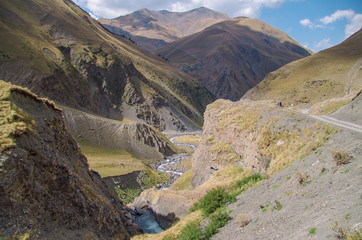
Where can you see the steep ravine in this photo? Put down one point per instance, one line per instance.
(47, 190)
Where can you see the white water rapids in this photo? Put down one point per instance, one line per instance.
(169, 164)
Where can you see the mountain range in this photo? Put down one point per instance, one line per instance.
(227, 56)
(67, 56)
(154, 29)
(283, 170)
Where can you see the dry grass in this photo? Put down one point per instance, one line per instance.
(341, 156)
(243, 219)
(111, 162)
(183, 182)
(191, 139)
(12, 121)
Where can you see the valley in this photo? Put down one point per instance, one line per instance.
(174, 125)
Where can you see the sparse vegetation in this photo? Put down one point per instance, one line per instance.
(278, 206)
(312, 231)
(243, 219)
(341, 156)
(264, 208)
(345, 233)
(214, 199)
(302, 178)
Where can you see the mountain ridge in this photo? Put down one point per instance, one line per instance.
(152, 29)
(232, 56)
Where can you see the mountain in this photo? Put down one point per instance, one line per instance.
(332, 73)
(232, 56)
(47, 189)
(58, 51)
(295, 175)
(153, 29)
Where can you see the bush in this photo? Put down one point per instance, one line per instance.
(214, 199)
(192, 231)
(217, 220)
(253, 179)
(341, 156)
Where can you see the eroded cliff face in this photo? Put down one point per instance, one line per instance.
(260, 136)
(139, 138)
(46, 188)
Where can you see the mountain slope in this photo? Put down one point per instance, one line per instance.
(232, 56)
(47, 189)
(57, 50)
(153, 29)
(332, 73)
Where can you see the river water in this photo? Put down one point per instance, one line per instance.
(169, 164)
(147, 220)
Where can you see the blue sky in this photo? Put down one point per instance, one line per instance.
(316, 24)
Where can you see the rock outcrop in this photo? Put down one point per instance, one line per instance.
(46, 188)
(260, 136)
(139, 138)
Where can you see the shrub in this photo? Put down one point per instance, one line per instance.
(341, 156)
(253, 179)
(278, 206)
(217, 220)
(214, 199)
(302, 178)
(346, 233)
(243, 219)
(192, 231)
(312, 231)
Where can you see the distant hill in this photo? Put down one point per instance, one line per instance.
(58, 51)
(232, 56)
(153, 29)
(330, 74)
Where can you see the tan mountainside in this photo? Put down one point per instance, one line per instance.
(333, 74)
(232, 56)
(153, 29)
(57, 50)
(295, 175)
(47, 189)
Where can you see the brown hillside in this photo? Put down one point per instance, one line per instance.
(153, 29)
(231, 57)
(332, 73)
(57, 50)
(47, 189)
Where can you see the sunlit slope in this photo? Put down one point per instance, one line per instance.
(57, 50)
(332, 73)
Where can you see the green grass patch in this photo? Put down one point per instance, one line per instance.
(214, 199)
(312, 231)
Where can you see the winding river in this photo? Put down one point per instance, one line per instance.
(170, 164)
(147, 220)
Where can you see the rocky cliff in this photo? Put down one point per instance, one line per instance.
(260, 136)
(47, 190)
(139, 138)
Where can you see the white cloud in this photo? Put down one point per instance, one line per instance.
(354, 21)
(322, 44)
(338, 15)
(354, 25)
(306, 22)
(115, 8)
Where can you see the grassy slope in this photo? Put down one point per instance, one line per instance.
(316, 78)
(30, 28)
(111, 162)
